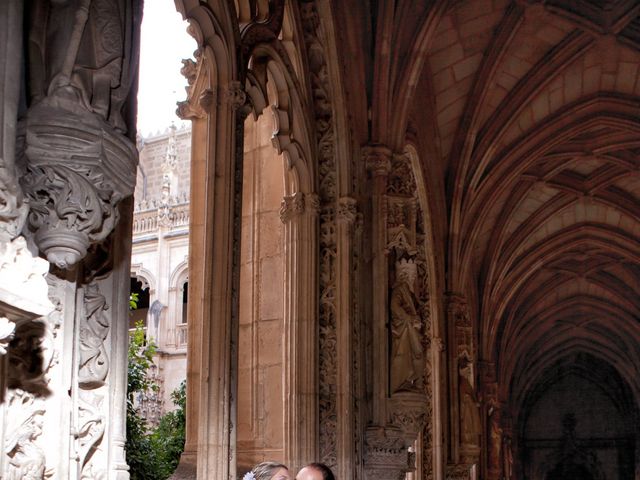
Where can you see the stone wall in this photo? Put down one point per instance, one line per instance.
(260, 355)
(160, 250)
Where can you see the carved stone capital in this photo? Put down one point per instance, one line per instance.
(408, 412)
(291, 206)
(377, 159)
(347, 210)
(234, 95)
(77, 169)
(387, 455)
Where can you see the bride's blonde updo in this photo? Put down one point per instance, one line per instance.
(264, 471)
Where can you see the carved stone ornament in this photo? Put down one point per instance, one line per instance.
(327, 199)
(387, 455)
(22, 282)
(347, 210)
(458, 310)
(234, 95)
(458, 472)
(292, 206)
(77, 169)
(25, 458)
(312, 203)
(13, 211)
(90, 432)
(94, 360)
(408, 412)
(377, 159)
(401, 180)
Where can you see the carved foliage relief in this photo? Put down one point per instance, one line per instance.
(91, 390)
(313, 38)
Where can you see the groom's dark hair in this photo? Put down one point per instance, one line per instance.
(327, 474)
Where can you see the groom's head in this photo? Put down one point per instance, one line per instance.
(315, 471)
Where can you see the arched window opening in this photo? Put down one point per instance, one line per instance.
(139, 314)
(185, 299)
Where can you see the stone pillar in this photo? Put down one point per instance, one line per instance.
(299, 213)
(196, 108)
(77, 164)
(402, 405)
(216, 180)
(377, 159)
(348, 226)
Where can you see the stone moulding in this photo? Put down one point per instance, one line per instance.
(76, 170)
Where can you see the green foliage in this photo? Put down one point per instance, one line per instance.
(168, 439)
(140, 454)
(151, 455)
(133, 300)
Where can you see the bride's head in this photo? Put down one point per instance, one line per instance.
(268, 471)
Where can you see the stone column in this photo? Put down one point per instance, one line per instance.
(215, 200)
(348, 222)
(299, 214)
(378, 162)
(196, 108)
(401, 319)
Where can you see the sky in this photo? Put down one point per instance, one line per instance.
(164, 43)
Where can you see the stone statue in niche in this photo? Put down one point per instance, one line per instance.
(407, 353)
(470, 425)
(81, 55)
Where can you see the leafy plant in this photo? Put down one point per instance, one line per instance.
(151, 455)
(168, 438)
(134, 298)
(140, 454)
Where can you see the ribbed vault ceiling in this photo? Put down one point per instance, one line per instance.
(537, 111)
(528, 114)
